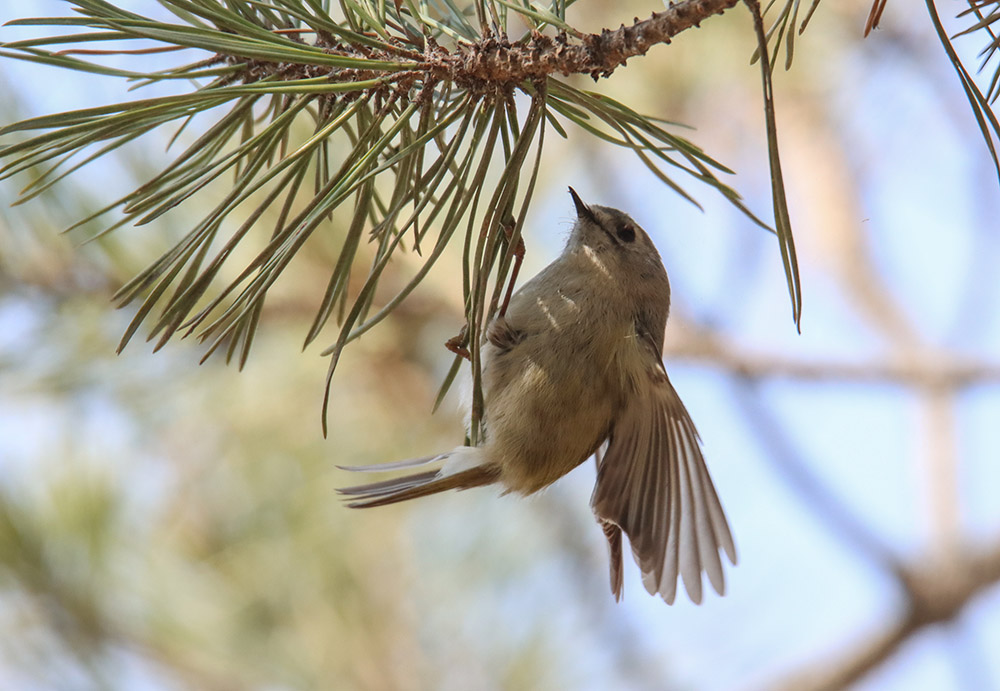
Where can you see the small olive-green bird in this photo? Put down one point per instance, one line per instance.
(574, 364)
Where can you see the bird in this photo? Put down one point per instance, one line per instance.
(573, 369)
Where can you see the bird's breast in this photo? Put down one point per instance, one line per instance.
(550, 400)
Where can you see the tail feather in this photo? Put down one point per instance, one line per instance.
(384, 487)
(418, 485)
(395, 465)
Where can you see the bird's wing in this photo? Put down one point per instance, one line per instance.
(652, 482)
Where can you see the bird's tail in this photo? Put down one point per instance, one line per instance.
(462, 469)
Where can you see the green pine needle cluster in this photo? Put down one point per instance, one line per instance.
(402, 112)
(313, 106)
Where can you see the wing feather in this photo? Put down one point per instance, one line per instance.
(658, 515)
(708, 548)
(690, 561)
(653, 483)
(720, 526)
(668, 588)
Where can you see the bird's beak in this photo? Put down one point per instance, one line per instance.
(582, 210)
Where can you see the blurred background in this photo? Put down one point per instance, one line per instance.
(165, 525)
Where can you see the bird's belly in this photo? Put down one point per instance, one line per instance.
(550, 415)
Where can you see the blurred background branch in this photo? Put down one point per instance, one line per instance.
(705, 346)
(933, 595)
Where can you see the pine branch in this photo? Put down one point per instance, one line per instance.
(494, 61)
(406, 115)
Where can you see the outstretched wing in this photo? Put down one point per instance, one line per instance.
(652, 483)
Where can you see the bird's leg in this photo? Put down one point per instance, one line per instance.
(508, 230)
(457, 344)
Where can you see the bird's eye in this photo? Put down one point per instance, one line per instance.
(626, 233)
